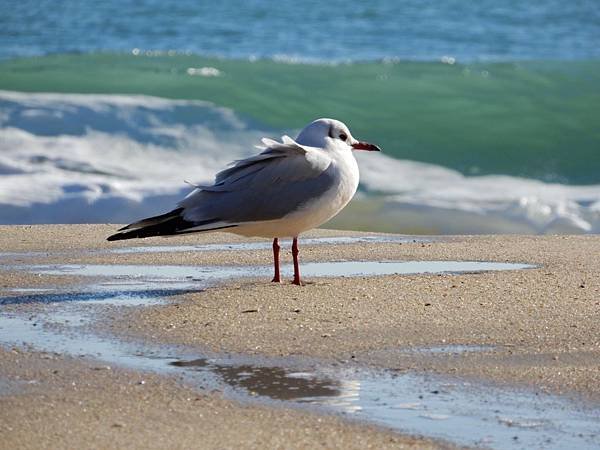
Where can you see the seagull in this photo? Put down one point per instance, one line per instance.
(290, 187)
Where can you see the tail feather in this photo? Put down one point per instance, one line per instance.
(164, 225)
(152, 220)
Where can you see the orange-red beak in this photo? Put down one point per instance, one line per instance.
(365, 146)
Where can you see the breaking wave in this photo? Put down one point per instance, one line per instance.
(75, 158)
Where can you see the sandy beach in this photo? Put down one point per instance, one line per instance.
(535, 328)
(59, 402)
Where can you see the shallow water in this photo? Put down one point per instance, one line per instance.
(466, 413)
(309, 269)
(100, 294)
(137, 285)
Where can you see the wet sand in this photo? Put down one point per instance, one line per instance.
(52, 401)
(543, 324)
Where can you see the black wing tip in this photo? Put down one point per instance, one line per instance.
(152, 226)
(154, 231)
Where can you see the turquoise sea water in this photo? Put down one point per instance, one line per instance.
(487, 112)
(537, 119)
(307, 29)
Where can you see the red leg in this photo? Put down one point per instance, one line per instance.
(276, 278)
(296, 265)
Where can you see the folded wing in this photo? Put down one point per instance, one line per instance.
(267, 186)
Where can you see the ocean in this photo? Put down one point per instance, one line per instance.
(488, 113)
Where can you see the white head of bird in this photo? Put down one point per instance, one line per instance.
(331, 134)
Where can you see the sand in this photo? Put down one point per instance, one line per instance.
(59, 402)
(542, 324)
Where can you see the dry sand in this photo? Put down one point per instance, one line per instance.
(543, 323)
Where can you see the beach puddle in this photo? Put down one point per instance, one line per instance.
(96, 295)
(276, 383)
(465, 413)
(309, 269)
(145, 285)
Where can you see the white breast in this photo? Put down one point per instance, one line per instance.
(316, 211)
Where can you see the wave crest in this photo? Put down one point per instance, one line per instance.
(68, 158)
(60, 150)
(443, 201)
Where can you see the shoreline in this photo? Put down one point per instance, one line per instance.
(533, 328)
(54, 401)
(541, 322)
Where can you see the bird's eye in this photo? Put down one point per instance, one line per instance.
(343, 136)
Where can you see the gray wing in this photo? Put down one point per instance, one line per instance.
(267, 186)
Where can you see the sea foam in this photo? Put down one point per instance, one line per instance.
(86, 158)
(449, 202)
(71, 158)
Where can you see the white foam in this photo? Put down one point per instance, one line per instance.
(115, 158)
(85, 158)
(451, 202)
